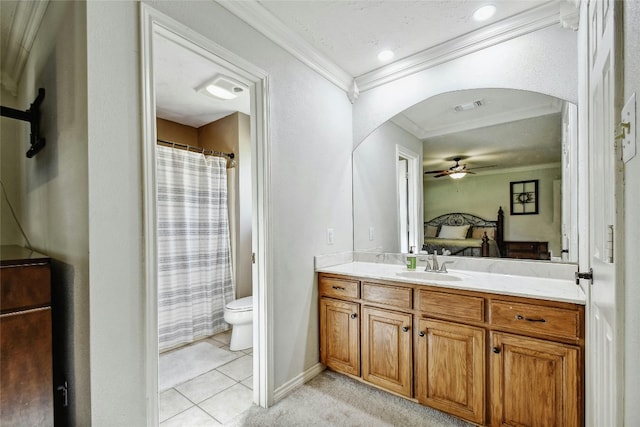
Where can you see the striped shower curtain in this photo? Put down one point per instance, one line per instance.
(194, 262)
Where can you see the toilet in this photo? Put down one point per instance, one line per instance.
(239, 314)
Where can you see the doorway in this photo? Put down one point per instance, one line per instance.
(155, 25)
(408, 172)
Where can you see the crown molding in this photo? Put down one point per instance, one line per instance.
(251, 12)
(518, 25)
(495, 119)
(25, 23)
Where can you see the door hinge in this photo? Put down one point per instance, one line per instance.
(64, 390)
(253, 258)
(588, 276)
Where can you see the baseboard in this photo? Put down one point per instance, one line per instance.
(286, 388)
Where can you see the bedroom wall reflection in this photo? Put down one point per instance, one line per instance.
(502, 136)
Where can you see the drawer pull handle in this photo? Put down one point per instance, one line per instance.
(338, 288)
(519, 317)
(421, 333)
(405, 329)
(496, 350)
(353, 315)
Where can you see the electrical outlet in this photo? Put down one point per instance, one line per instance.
(370, 233)
(330, 236)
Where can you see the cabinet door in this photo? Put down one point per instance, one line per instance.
(340, 335)
(387, 349)
(534, 382)
(450, 369)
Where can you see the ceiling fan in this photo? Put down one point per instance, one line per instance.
(456, 171)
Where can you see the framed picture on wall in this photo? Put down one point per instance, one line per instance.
(524, 197)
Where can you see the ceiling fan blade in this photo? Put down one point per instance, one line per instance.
(442, 174)
(438, 171)
(482, 167)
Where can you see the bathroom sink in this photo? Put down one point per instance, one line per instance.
(428, 275)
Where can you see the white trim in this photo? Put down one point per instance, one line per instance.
(154, 22)
(518, 25)
(251, 12)
(285, 389)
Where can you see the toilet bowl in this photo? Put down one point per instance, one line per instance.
(239, 314)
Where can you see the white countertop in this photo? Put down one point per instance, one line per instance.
(505, 284)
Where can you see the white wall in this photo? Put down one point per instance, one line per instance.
(310, 188)
(631, 214)
(53, 189)
(543, 61)
(375, 188)
(14, 144)
(483, 194)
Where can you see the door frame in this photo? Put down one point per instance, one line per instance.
(414, 168)
(153, 22)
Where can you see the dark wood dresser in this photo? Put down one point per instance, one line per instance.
(26, 371)
(526, 250)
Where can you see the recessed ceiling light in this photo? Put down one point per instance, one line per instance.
(385, 55)
(484, 13)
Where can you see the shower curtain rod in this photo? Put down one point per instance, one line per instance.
(198, 149)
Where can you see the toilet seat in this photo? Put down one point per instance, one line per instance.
(241, 304)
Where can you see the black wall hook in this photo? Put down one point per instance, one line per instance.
(32, 115)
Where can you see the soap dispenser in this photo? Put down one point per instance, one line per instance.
(411, 259)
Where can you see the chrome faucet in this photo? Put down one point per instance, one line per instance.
(435, 261)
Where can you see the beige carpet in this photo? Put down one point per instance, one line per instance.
(332, 399)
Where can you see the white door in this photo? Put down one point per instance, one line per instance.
(604, 338)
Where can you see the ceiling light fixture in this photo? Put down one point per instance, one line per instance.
(385, 55)
(458, 175)
(221, 87)
(484, 13)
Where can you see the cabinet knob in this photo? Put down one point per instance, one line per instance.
(421, 333)
(353, 315)
(496, 350)
(405, 328)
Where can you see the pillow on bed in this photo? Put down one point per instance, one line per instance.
(478, 232)
(453, 232)
(431, 231)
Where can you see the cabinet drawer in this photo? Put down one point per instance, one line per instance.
(388, 295)
(452, 306)
(24, 287)
(536, 318)
(339, 288)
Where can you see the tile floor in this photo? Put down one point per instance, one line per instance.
(214, 397)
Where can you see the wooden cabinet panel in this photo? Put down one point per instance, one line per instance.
(443, 304)
(340, 335)
(387, 349)
(26, 364)
(526, 250)
(534, 382)
(339, 288)
(388, 295)
(450, 373)
(537, 319)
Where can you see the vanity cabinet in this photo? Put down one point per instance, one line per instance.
(488, 358)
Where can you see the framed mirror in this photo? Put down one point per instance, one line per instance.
(474, 145)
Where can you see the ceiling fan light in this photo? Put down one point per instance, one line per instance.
(458, 175)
